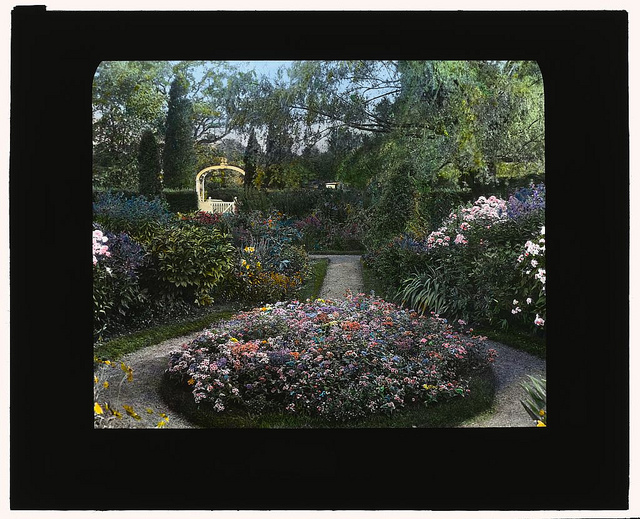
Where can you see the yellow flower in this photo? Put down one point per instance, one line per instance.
(95, 379)
(106, 384)
(149, 410)
(258, 263)
(244, 262)
(233, 339)
(541, 424)
(97, 409)
(164, 416)
(161, 423)
(107, 362)
(131, 412)
(542, 412)
(428, 386)
(191, 381)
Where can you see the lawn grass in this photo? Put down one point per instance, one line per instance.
(116, 348)
(312, 286)
(448, 413)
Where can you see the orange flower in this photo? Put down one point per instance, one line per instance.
(294, 354)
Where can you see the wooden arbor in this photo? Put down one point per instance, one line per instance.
(212, 205)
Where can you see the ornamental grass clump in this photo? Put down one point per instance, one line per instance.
(337, 360)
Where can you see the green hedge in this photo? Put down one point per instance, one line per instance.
(181, 200)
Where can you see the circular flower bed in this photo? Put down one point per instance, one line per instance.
(334, 359)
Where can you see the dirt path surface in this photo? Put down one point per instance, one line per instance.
(344, 273)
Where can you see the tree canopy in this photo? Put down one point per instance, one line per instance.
(461, 125)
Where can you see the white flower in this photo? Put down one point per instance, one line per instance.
(534, 263)
(528, 300)
(539, 321)
(515, 302)
(542, 230)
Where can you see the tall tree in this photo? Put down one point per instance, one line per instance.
(278, 155)
(251, 158)
(128, 96)
(149, 182)
(179, 160)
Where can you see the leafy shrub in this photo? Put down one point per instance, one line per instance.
(116, 269)
(273, 227)
(181, 200)
(136, 216)
(536, 404)
(189, 261)
(389, 215)
(320, 232)
(334, 359)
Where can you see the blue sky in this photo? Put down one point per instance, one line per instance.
(268, 68)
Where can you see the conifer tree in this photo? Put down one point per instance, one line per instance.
(149, 165)
(251, 153)
(179, 156)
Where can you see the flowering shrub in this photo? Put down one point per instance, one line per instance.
(334, 359)
(320, 232)
(202, 218)
(526, 200)
(99, 247)
(269, 265)
(260, 276)
(466, 268)
(533, 291)
(116, 283)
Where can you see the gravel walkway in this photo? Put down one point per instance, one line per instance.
(511, 369)
(143, 391)
(344, 273)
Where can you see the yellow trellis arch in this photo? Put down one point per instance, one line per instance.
(212, 205)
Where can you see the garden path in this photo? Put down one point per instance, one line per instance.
(344, 273)
(511, 369)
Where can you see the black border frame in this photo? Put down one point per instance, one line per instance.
(580, 462)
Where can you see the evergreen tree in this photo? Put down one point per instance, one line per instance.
(149, 165)
(251, 154)
(277, 156)
(179, 156)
